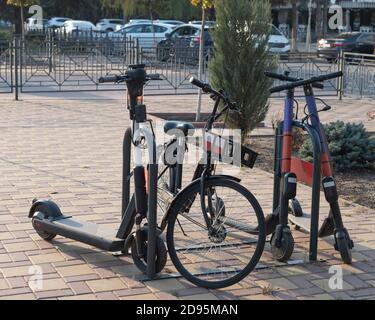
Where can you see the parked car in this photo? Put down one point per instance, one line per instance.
(146, 33)
(211, 24)
(110, 25)
(33, 24)
(5, 24)
(183, 44)
(57, 22)
(171, 22)
(278, 43)
(136, 21)
(355, 42)
(77, 26)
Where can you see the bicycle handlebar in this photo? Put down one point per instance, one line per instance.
(281, 77)
(125, 78)
(108, 79)
(206, 88)
(313, 81)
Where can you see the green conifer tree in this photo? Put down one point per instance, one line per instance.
(241, 57)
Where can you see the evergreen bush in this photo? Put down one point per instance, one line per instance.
(350, 145)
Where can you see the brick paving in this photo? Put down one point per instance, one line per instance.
(70, 150)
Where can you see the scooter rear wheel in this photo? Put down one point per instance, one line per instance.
(43, 234)
(295, 208)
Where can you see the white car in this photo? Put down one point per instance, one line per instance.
(33, 24)
(278, 43)
(136, 21)
(148, 34)
(57, 22)
(211, 24)
(110, 25)
(175, 23)
(76, 26)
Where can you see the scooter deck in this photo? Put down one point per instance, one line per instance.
(303, 222)
(93, 234)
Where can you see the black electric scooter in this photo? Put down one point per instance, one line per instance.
(148, 249)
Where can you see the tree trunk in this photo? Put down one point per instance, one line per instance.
(294, 26)
(318, 27)
(308, 36)
(325, 18)
(152, 25)
(22, 23)
(201, 64)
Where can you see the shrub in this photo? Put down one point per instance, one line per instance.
(350, 145)
(5, 35)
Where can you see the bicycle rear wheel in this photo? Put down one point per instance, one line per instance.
(232, 248)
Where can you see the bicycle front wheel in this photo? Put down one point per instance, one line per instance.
(226, 252)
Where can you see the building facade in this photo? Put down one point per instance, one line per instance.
(358, 15)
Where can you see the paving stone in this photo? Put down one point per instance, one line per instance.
(3, 284)
(76, 270)
(46, 258)
(106, 285)
(141, 297)
(164, 285)
(83, 175)
(51, 284)
(201, 297)
(19, 247)
(17, 297)
(80, 288)
(83, 297)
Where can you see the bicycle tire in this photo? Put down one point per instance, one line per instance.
(179, 206)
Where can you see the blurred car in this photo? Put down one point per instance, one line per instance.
(77, 26)
(355, 42)
(33, 24)
(57, 22)
(148, 34)
(136, 21)
(183, 44)
(5, 24)
(110, 25)
(171, 22)
(278, 43)
(211, 24)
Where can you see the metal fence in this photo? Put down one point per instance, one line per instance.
(359, 74)
(62, 63)
(6, 67)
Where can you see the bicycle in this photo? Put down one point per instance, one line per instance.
(203, 211)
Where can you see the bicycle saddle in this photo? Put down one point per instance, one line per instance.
(187, 128)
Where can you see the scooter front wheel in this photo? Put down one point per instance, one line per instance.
(344, 246)
(141, 261)
(283, 250)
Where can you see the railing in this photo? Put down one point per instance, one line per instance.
(6, 67)
(359, 74)
(61, 63)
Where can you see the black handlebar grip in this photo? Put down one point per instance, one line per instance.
(318, 85)
(280, 77)
(155, 76)
(107, 79)
(197, 83)
(330, 76)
